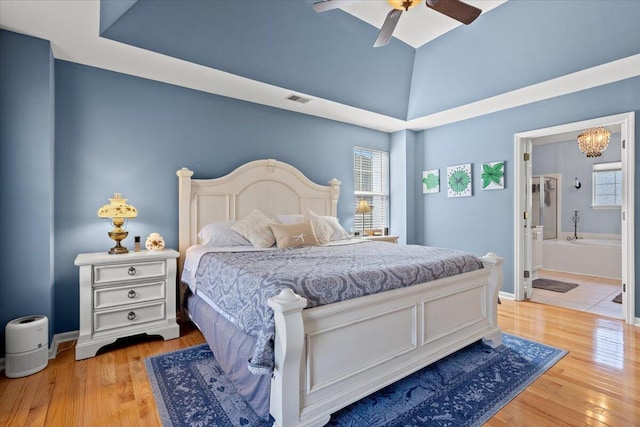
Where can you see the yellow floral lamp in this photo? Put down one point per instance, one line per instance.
(118, 212)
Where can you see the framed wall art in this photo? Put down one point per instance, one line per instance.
(492, 176)
(459, 180)
(431, 181)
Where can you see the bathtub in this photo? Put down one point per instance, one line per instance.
(596, 242)
(593, 257)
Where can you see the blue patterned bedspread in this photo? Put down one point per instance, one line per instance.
(239, 284)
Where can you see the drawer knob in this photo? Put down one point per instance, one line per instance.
(131, 294)
(132, 271)
(131, 315)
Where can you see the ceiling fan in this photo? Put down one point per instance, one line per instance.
(462, 12)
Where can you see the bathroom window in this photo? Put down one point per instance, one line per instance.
(607, 185)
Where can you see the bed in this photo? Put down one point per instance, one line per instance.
(328, 356)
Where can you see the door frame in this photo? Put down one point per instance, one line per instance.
(626, 121)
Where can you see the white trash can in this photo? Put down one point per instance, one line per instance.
(26, 346)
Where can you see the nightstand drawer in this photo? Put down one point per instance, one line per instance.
(115, 296)
(128, 316)
(133, 271)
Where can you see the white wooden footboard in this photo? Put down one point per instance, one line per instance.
(330, 356)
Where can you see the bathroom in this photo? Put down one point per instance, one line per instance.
(576, 234)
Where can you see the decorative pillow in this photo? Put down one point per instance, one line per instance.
(290, 219)
(255, 228)
(339, 233)
(294, 235)
(323, 230)
(220, 234)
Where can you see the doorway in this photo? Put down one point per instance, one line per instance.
(523, 204)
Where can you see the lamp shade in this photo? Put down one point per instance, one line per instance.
(363, 207)
(118, 211)
(117, 208)
(594, 141)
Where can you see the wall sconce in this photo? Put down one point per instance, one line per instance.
(576, 183)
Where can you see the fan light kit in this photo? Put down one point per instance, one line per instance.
(403, 4)
(462, 12)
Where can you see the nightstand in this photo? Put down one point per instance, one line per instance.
(389, 238)
(124, 295)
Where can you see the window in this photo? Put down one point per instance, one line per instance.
(607, 185)
(371, 183)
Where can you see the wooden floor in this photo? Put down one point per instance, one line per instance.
(596, 384)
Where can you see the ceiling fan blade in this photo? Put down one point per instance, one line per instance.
(389, 25)
(455, 9)
(323, 6)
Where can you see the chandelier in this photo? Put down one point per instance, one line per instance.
(594, 141)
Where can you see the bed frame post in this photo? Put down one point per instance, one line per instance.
(493, 263)
(184, 214)
(335, 195)
(184, 233)
(285, 384)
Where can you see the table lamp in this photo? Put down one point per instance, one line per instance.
(118, 212)
(363, 208)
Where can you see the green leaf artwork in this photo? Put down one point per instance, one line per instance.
(431, 181)
(459, 181)
(492, 176)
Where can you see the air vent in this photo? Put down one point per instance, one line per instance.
(296, 98)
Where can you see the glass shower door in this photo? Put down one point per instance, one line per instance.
(544, 205)
(549, 201)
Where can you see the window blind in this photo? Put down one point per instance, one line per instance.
(371, 183)
(607, 184)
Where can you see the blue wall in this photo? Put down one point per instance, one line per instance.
(484, 222)
(403, 169)
(565, 158)
(117, 133)
(26, 177)
(518, 44)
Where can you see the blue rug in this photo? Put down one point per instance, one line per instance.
(464, 389)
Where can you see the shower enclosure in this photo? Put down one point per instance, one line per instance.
(544, 202)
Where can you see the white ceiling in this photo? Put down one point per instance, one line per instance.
(72, 27)
(418, 25)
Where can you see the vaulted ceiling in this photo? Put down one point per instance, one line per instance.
(263, 51)
(255, 50)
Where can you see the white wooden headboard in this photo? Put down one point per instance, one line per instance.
(269, 185)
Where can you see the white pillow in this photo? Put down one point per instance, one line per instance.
(290, 219)
(255, 228)
(339, 233)
(220, 234)
(322, 229)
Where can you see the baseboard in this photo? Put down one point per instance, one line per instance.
(55, 343)
(59, 339)
(507, 295)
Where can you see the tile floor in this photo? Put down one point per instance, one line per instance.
(594, 294)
